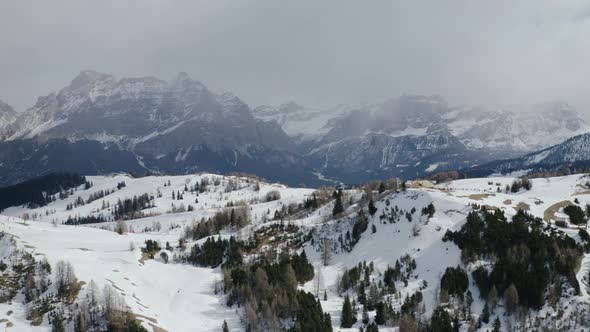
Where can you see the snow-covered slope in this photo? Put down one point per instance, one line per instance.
(178, 297)
(299, 121)
(173, 297)
(573, 153)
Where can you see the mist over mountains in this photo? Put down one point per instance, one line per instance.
(100, 124)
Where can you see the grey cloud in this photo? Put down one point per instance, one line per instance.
(315, 52)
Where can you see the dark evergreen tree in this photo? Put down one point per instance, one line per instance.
(372, 208)
(365, 315)
(338, 207)
(381, 187)
(380, 313)
(359, 227)
(441, 321)
(575, 214)
(497, 325)
(455, 281)
(372, 328)
(348, 318)
(485, 314)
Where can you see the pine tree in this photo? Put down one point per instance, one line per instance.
(468, 301)
(380, 313)
(381, 187)
(365, 315)
(485, 314)
(440, 321)
(372, 208)
(224, 327)
(348, 318)
(372, 328)
(497, 325)
(338, 207)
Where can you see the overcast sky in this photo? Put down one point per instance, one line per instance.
(495, 53)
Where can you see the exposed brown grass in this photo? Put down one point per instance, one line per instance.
(152, 322)
(522, 206)
(478, 197)
(549, 214)
(144, 257)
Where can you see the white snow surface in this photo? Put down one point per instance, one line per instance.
(181, 297)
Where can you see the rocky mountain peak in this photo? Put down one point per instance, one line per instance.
(87, 78)
(6, 109)
(290, 107)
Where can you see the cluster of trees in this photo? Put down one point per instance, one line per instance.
(100, 311)
(576, 215)
(78, 202)
(319, 198)
(359, 227)
(381, 186)
(130, 208)
(525, 257)
(338, 206)
(236, 217)
(454, 282)
(395, 214)
(385, 314)
(445, 176)
(560, 172)
(79, 220)
(267, 290)
(39, 191)
(98, 195)
(178, 195)
(441, 321)
(213, 253)
(152, 247)
(273, 195)
(65, 280)
(401, 271)
(375, 295)
(428, 210)
(518, 184)
(353, 278)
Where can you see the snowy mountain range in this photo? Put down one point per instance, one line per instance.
(573, 153)
(413, 135)
(100, 124)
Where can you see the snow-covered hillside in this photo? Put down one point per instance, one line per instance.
(177, 296)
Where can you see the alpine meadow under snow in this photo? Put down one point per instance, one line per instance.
(382, 249)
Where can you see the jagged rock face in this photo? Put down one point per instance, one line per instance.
(413, 135)
(574, 153)
(7, 117)
(147, 124)
(151, 125)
